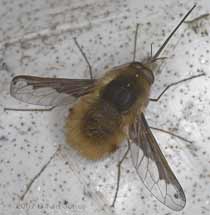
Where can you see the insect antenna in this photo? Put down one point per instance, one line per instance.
(135, 42)
(85, 57)
(171, 34)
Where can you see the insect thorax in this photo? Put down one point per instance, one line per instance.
(117, 103)
(121, 93)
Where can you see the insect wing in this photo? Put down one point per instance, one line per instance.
(152, 167)
(49, 91)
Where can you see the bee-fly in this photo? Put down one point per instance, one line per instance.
(108, 111)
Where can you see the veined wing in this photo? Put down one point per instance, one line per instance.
(152, 167)
(49, 91)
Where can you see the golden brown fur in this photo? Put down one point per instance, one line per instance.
(94, 128)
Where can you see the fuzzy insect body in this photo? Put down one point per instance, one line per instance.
(99, 121)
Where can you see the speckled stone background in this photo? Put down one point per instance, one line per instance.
(36, 39)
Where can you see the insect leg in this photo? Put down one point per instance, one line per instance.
(135, 42)
(39, 173)
(30, 109)
(119, 173)
(175, 83)
(151, 49)
(205, 15)
(85, 57)
(172, 134)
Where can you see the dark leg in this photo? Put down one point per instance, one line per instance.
(31, 109)
(135, 42)
(38, 174)
(175, 83)
(119, 173)
(85, 57)
(151, 49)
(172, 134)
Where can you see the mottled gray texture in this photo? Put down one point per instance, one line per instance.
(36, 39)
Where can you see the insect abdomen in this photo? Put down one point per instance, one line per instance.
(94, 128)
(101, 120)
